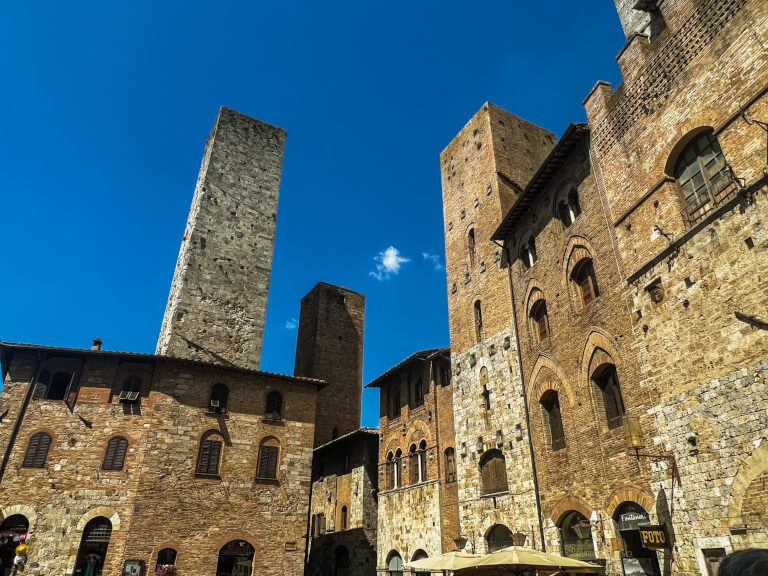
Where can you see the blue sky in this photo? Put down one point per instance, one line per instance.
(107, 107)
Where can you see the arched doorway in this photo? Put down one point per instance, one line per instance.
(235, 559)
(636, 559)
(499, 537)
(93, 547)
(395, 564)
(12, 530)
(341, 562)
(420, 555)
(576, 536)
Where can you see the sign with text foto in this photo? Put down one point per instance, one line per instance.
(654, 537)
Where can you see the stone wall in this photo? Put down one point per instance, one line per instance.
(157, 500)
(218, 299)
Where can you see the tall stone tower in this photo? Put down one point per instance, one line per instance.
(484, 169)
(218, 300)
(329, 346)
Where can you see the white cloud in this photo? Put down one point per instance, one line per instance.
(435, 259)
(388, 262)
(291, 324)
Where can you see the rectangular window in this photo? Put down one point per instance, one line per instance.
(268, 462)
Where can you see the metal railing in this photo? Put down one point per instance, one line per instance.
(726, 187)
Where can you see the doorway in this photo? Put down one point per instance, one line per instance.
(636, 559)
(93, 547)
(235, 559)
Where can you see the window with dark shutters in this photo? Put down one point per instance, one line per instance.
(493, 471)
(210, 453)
(114, 458)
(268, 456)
(37, 451)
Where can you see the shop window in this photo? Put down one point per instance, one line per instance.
(478, 310)
(37, 451)
(93, 546)
(395, 564)
(635, 558)
(166, 557)
(704, 177)
(576, 537)
(219, 398)
(583, 276)
(528, 252)
(540, 320)
(493, 471)
(551, 404)
(209, 454)
(419, 392)
(450, 465)
(269, 452)
(608, 382)
(129, 393)
(274, 405)
(114, 457)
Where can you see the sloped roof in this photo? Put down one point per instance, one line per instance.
(422, 355)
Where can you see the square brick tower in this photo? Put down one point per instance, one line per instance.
(329, 346)
(484, 169)
(218, 300)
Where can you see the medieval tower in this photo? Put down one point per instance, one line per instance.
(329, 346)
(483, 169)
(218, 300)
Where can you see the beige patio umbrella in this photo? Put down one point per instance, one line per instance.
(515, 559)
(451, 561)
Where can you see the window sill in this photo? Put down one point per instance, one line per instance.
(495, 494)
(272, 481)
(273, 421)
(203, 476)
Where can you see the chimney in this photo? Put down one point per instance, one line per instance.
(96, 344)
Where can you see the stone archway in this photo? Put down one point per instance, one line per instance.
(748, 494)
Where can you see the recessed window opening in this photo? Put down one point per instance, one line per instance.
(478, 310)
(274, 409)
(219, 398)
(129, 394)
(540, 320)
(607, 380)
(528, 252)
(583, 276)
(471, 247)
(550, 402)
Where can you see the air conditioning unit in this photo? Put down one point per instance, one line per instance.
(129, 397)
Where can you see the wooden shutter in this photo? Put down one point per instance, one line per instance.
(268, 462)
(114, 459)
(208, 462)
(41, 388)
(37, 451)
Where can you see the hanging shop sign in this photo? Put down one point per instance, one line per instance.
(654, 537)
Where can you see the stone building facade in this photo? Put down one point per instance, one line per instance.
(418, 512)
(226, 251)
(343, 510)
(484, 169)
(192, 485)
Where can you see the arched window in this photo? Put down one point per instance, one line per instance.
(114, 457)
(269, 453)
(499, 537)
(413, 465)
(129, 393)
(219, 397)
(419, 392)
(493, 470)
(703, 175)
(486, 394)
(37, 451)
(540, 320)
(341, 560)
(395, 564)
(608, 382)
(576, 536)
(471, 247)
(235, 559)
(478, 308)
(450, 465)
(568, 209)
(528, 252)
(396, 468)
(344, 520)
(390, 471)
(209, 454)
(422, 456)
(166, 557)
(274, 405)
(16, 524)
(550, 401)
(583, 276)
(93, 546)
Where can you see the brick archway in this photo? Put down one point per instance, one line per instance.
(27, 511)
(533, 285)
(597, 339)
(574, 243)
(566, 505)
(416, 431)
(537, 386)
(629, 494)
(753, 467)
